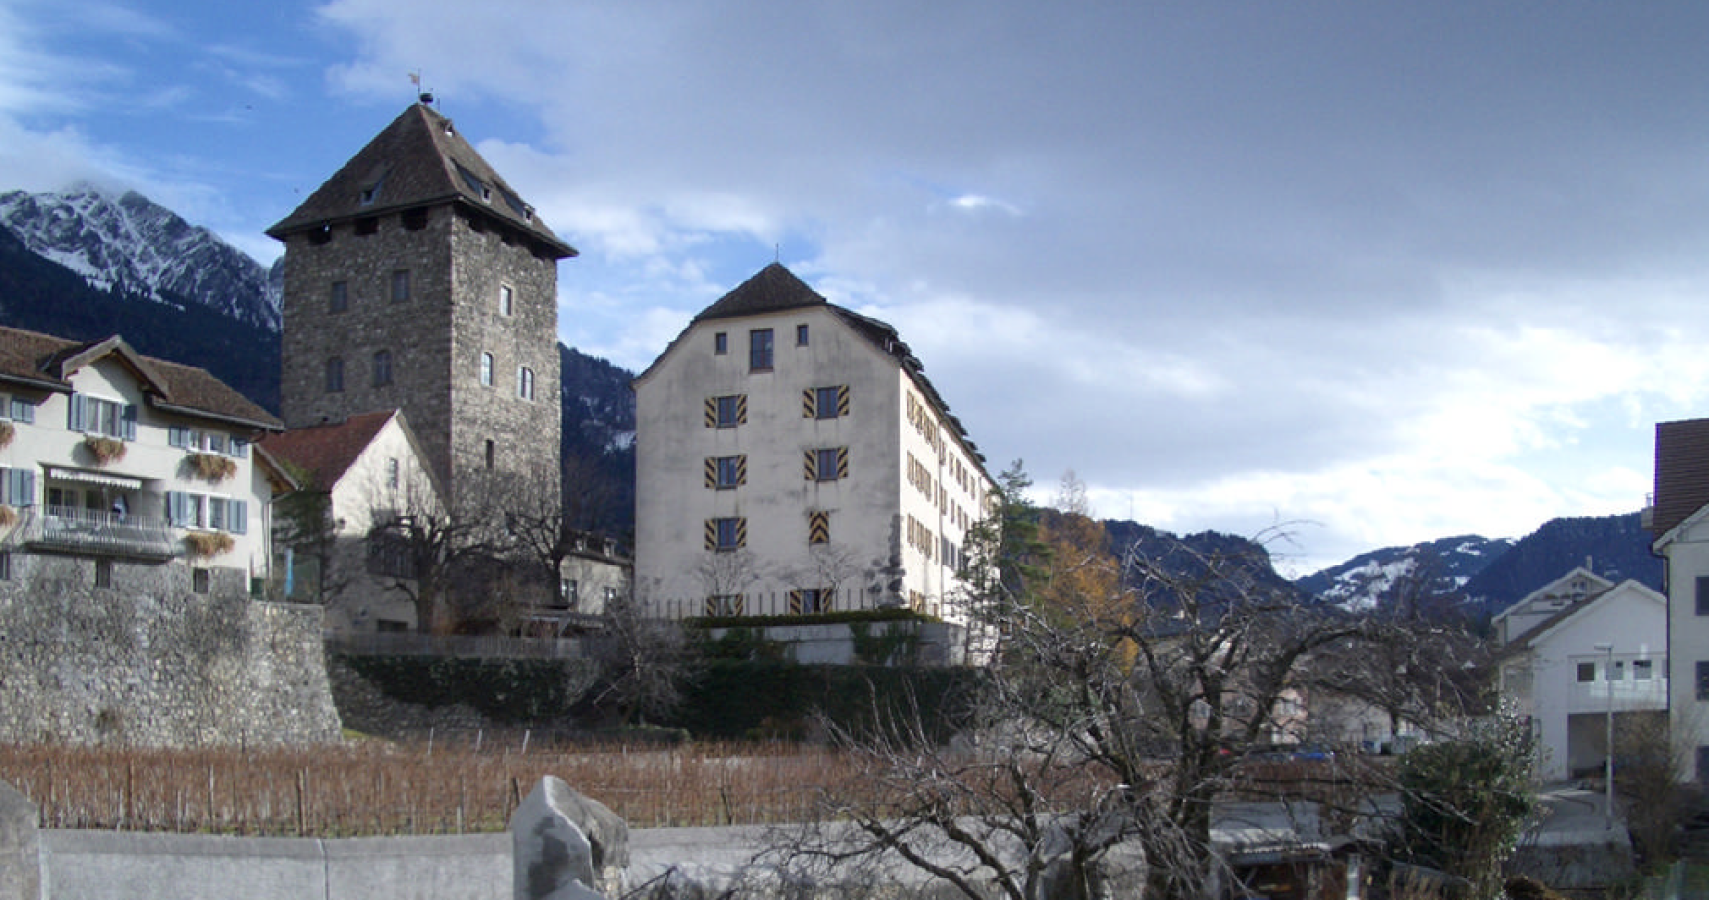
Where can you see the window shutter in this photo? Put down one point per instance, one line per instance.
(711, 534)
(842, 400)
(795, 603)
(809, 409)
(842, 462)
(128, 422)
(809, 467)
(76, 412)
(819, 527)
(711, 471)
(741, 409)
(742, 470)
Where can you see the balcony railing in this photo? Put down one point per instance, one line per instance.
(1629, 694)
(95, 532)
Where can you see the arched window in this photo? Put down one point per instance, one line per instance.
(525, 383)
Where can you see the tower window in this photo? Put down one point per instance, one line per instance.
(506, 297)
(334, 375)
(801, 335)
(759, 350)
(486, 369)
(525, 383)
(382, 368)
(339, 301)
(400, 285)
(414, 219)
(490, 450)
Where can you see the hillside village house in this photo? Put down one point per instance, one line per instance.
(1678, 516)
(1574, 649)
(792, 458)
(130, 464)
(356, 476)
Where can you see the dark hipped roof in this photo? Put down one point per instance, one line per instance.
(776, 289)
(1682, 472)
(47, 362)
(418, 160)
(323, 453)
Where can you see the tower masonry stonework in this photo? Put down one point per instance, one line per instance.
(417, 279)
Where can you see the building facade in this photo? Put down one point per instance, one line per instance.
(332, 549)
(1576, 652)
(1679, 518)
(129, 463)
(792, 458)
(417, 279)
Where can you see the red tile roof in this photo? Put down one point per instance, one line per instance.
(323, 453)
(1682, 472)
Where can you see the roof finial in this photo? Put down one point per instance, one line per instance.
(426, 97)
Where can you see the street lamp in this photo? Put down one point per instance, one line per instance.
(1608, 735)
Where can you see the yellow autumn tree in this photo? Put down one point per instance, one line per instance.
(1081, 582)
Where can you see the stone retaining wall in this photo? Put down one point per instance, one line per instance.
(156, 664)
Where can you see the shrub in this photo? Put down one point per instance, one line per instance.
(208, 543)
(213, 467)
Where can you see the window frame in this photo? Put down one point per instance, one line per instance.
(727, 472)
(730, 403)
(827, 398)
(335, 375)
(506, 300)
(801, 335)
(524, 383)
(762, 350)
(485, 369)
(400, 291)
(727, 534)
(338, 300)
(1585, 673)
(720, 343)
(382, 368)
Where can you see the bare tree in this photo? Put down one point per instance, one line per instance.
(443, 556)
(1114, 715)
(644, 662)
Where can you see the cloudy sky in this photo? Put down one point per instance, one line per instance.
(1379, 272)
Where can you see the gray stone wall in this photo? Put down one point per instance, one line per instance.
(416, 331)
(150, 662)
(457, 262)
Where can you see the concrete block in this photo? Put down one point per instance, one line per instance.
(20, 849)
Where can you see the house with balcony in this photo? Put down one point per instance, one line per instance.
(1575, 652)
(124, 463)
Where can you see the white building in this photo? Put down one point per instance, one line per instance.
(792, 458)
(1575, 649)
(1679, 519)
(355, 474)
(130, 463)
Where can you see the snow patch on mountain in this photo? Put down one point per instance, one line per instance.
(131, 245)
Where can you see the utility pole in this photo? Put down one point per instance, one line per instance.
(1608, 735)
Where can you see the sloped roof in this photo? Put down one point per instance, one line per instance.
(775, 289)
(324, 453)
(48, 362)
(1528, 639)
(1682, 472)
(418, 160)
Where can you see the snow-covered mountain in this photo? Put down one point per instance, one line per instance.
(1395, 575)
(128, 244)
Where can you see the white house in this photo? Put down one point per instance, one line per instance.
(356, 474)
(1679, 518)
(130, 463)
(792, 458)
(1576, 649)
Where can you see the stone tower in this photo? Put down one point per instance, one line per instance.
(417, 279)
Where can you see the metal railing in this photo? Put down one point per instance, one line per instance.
(69, 529)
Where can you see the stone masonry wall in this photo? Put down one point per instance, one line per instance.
(149, 662)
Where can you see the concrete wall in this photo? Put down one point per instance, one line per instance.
(151, 662)
(95, 865)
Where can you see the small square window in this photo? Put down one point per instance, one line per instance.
(728, 472)
(1586, 671)
(506, 298)
(760, 350)
(729, 411)
(801, 335)
(400, 285)
(828, 463)
(827, 402)
(1618, 671)
(199, 580)
(1643, 669)
(104, 578)
(720, 343)
(339, 301)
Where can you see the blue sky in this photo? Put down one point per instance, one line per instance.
(1387, 272)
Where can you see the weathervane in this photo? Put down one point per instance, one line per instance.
(423, 96)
